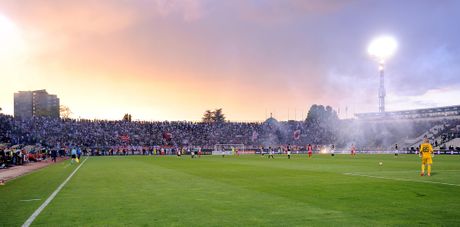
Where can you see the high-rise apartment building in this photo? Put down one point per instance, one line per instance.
(35, 103)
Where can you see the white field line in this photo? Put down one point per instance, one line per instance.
(47, 201)
(400, 179)
(413, 171)
(28, 200)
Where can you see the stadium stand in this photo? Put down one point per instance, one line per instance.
(453, 143)
(450, 112)
(103, 136)
(443, 122)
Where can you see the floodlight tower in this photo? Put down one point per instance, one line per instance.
(381, 49)
(382, 93)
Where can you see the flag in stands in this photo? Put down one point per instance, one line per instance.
(167, 136)
(124, 138)
(297, 134)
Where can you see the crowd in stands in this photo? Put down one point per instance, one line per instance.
(101, 137)
(99, 133)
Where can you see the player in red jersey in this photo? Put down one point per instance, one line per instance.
(310, 151)
(353, 150)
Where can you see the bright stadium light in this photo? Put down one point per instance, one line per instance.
(381, 49)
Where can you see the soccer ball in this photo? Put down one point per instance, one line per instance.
(380, 163)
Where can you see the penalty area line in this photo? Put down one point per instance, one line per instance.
(47, 201)
(400, 179)
(29, 200)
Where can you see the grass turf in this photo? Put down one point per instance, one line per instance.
(246, 190)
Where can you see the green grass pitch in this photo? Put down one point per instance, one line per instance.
(248, 190)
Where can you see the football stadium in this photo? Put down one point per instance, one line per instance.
(239, 113)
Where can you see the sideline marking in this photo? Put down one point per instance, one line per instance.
(409, 171)
(47, 201)
(401, 179)
(28, 200)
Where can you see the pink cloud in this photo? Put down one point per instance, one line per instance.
(189, 10)
(274, 12)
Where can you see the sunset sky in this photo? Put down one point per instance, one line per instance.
(172, 60)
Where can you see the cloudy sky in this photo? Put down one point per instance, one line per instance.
(173, 59)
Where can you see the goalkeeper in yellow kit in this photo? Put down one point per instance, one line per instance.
(426, 152)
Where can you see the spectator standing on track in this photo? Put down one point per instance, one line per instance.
(53, 155)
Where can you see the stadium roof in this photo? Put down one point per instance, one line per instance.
(427, 113)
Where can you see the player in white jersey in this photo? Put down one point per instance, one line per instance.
(288, 151)
(271, 153)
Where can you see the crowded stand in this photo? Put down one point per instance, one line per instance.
(34, 139)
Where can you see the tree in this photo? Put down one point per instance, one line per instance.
(324, 122)
(208, 116)
(219, 117)
(127, 117)
(65, 112)
(315, 113)
(215, 116)
(319, 113)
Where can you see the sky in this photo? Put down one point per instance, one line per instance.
(174, 59)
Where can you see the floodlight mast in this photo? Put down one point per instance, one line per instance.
(381, 49)
(382, 92)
